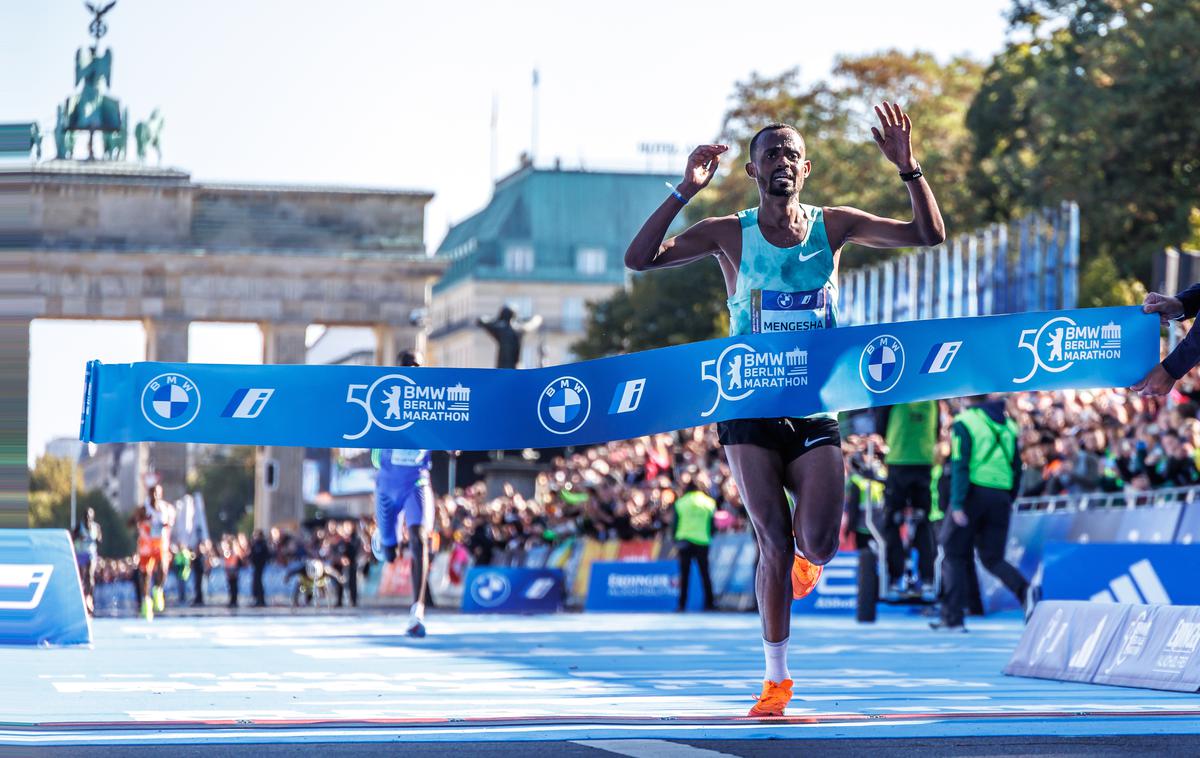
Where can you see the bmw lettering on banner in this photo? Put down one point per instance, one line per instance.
(41, 600)
(395, 402)
(170, 401)
(495, 589)
(564, 405)
(881, 364)
(741, 369)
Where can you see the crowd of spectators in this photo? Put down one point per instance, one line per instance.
(1072, 442)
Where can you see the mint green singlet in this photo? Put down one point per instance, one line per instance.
(784, 289)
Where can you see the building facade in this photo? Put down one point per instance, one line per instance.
(549, 242)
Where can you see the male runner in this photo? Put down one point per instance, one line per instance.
(154, 520)
(402, 487)
(783, 246)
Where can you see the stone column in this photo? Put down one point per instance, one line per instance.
(391, 339)
(385, 345)
(167, 341)
(14, 422)
(282, 343)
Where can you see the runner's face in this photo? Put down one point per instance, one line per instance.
(779, 166)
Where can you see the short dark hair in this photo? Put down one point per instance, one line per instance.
(772, 127)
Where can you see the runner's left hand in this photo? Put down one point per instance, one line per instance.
(894, 135)
(959, 517)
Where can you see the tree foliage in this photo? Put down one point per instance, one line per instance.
(1096, 101)
(226, 480)
(50, 505)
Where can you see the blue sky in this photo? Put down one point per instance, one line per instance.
(400, 94)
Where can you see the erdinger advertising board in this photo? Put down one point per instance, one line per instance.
(640, 586)
(41, 600)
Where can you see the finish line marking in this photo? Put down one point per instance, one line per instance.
(652, 749)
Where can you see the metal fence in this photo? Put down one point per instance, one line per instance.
(1030, 264)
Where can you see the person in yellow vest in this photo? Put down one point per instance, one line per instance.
(985, 473)
(694, 511)
(912, 436)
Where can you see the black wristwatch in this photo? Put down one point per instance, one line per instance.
(908, 176)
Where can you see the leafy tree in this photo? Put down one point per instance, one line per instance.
(226, 481)
(1095, 101)
(659, 308)
(50, 505)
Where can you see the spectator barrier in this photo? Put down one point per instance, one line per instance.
(41, 599)
(1152, 646)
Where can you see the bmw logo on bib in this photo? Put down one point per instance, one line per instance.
(564, 405)
(170, 401)
(882, 363)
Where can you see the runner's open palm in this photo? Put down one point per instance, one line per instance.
(894, 135)
(701, 168)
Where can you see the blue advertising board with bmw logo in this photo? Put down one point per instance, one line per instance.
(626, 396)
(498, 589)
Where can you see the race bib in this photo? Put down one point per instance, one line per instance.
(407, 457)
(772, 311)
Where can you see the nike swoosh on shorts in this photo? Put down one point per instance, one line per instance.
(810, 442)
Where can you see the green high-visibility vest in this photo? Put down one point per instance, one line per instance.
(694, 517)
(993, 447)
(869, 491)
(912, 432)
(935, 507)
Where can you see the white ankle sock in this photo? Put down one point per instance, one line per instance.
(776, 655)
(416, 614)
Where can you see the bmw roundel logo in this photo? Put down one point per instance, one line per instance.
(882, 363)
(784, 299)
(170, 401)
(490, 588)
(564, 405)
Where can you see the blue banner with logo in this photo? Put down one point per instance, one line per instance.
(1122, 573)
(494, 589)
(750, 376)
(41, 600)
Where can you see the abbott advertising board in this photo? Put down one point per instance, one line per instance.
(41, 600)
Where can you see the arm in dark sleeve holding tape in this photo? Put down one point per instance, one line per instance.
(960, 465)
(1190, 298)
(1186, 354)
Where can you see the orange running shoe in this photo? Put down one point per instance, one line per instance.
(804, 577)
(774, 698)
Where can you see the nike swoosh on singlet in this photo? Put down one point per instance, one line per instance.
(804, 258)
(810, 443)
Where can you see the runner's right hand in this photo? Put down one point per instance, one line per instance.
(701, 168)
